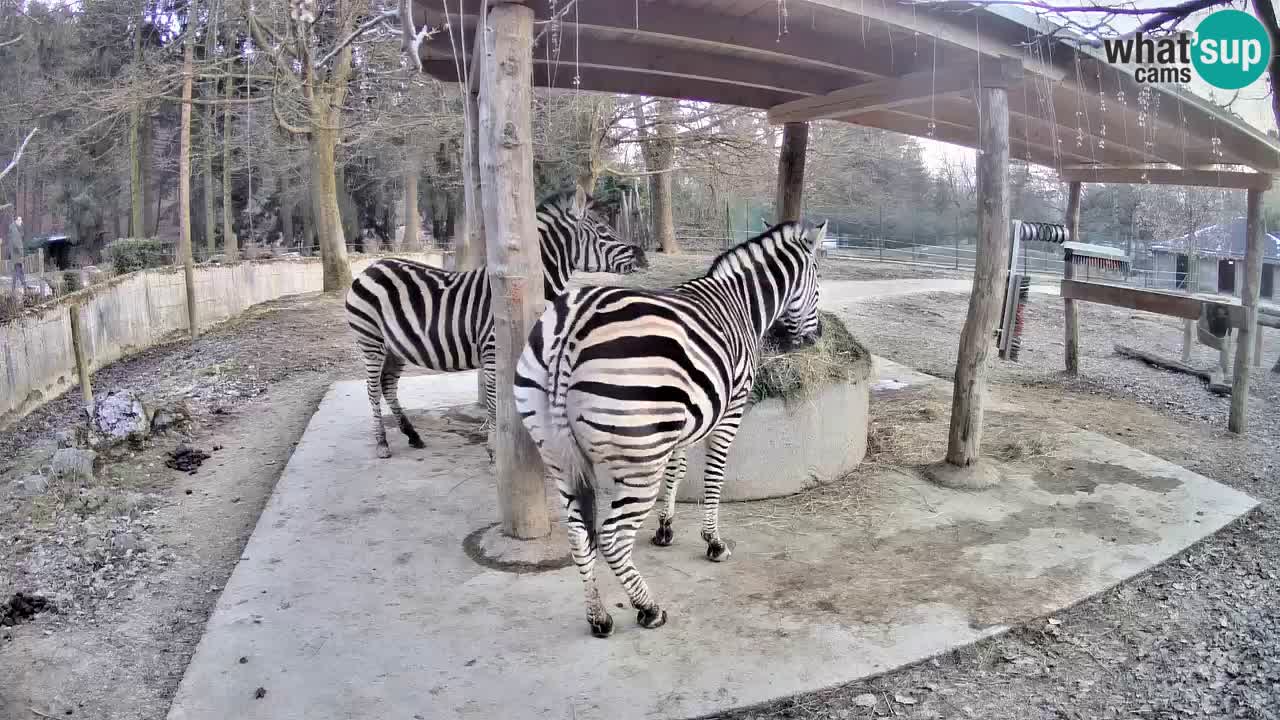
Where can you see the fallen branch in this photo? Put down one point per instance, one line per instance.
(1174, 365)
(17, 157)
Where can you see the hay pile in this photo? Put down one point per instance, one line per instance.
(837, 357)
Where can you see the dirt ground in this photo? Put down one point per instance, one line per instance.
(135, 561)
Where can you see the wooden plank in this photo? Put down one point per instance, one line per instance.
(1167, 176)
(1070, 311)
(1238, 422)
(1215, 384)
(964, 439)
(78, 347)
(875, 95)
(620, 52)
(514, 261)
(1133, 298)
(791, 157)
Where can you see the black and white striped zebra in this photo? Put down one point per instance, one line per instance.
(614, 384)
(405, 312)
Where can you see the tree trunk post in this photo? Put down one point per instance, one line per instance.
(1238, 421)
(964, 440)
(1070, 309)
(470, 253)
(324, 203)
(81, 353)
(412, 221)
(184, 187)
(790, 197)
(514, 260)
(230, 248)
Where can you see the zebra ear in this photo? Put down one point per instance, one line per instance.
(816, 236)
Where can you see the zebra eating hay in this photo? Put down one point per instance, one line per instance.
(614, 384)
(407, 312)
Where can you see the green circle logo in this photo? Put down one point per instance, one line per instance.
(1231, 49)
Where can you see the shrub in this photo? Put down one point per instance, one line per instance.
(129, 254)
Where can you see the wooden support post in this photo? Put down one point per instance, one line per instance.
(1257, 345)
(82, 360)
(795, 143)
(964, 440)
(469, 250)
(184, 188)
(1188, 337)
(1238, 421)
(1071, 340)
(514, 259)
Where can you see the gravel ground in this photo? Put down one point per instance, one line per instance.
(1198, 636)
(135, 561)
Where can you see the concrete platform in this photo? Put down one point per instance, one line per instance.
(355, 599)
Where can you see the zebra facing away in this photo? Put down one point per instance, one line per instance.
(407, 312)
(614, 384)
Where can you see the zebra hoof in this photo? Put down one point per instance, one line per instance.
(384, 451)
(718, 551)
(654, 617)
(602, 628)
(664, 535)
(416, 442)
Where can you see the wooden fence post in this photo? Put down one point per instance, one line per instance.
(964, 439)
(1071, 311)
(78, 348)
(514, 260)
(1238, 420)
(791, 157)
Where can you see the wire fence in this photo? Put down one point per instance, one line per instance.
(958, 252)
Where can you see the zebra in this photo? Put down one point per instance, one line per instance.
(407, 312)
(614, 384)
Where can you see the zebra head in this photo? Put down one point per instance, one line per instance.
(797, 324)
(595, 246)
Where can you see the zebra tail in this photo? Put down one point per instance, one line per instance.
(578, 468)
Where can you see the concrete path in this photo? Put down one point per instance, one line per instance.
(355, 598)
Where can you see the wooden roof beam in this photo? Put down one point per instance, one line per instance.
(889, 93)
(1167, 176)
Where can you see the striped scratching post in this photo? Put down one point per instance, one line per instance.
(1092, 259)
(1013, 311)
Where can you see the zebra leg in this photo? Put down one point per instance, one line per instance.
(636, 490)
(375, 359)
(390, 380)
(489, 370)
(582, 547)
(673, 476)
(718, 445)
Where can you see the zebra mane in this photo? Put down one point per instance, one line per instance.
(565, 201)
(789, 230)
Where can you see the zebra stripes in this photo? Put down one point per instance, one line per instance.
(405, 312)
(614, 384)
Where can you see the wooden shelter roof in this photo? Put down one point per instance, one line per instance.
(880, 63)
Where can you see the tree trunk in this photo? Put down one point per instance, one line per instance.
(210, 222)
(184, 187)
(965, 434)
(1238, 419)
(412, 220)
(230, 248)
(150, 193)
(324, 203)
(791, 157)
(470, 253)
(664, 228)
(1071, 311)
(514, 260)
(287, 206)
(659, 151)
(137, 198)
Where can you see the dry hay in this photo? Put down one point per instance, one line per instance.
(837, 357)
